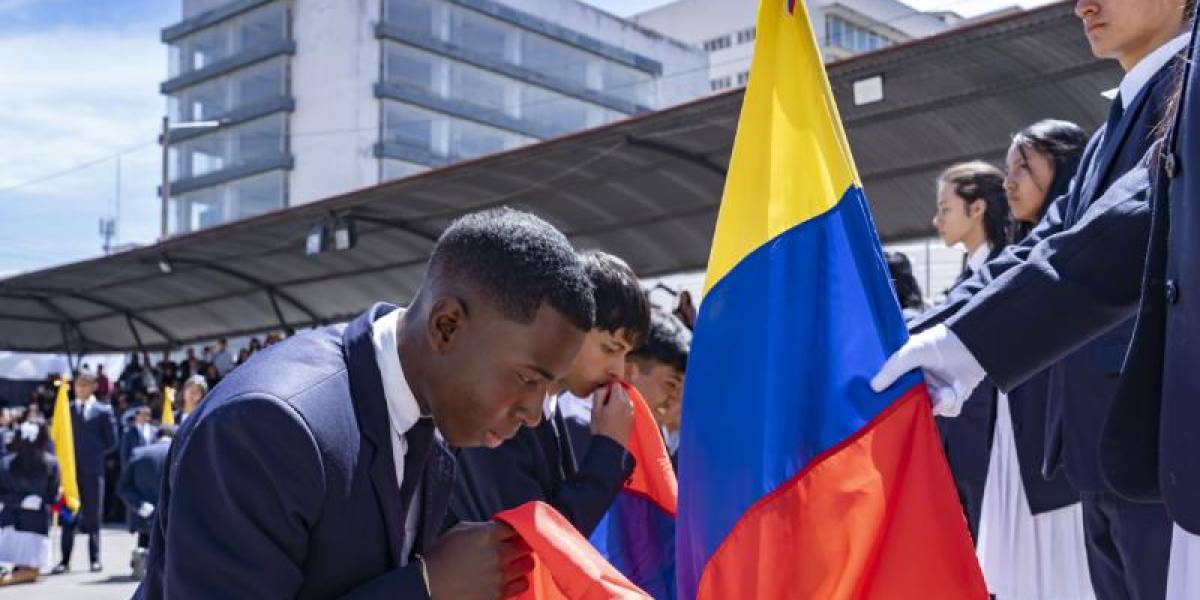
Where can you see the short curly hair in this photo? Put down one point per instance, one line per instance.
(518, 261)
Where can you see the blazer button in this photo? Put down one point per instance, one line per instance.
(1171, 290)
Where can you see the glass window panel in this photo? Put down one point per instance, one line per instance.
(397, 169)
(227, 148)
(410, 67)
(408, 126)
(627, 83)
(259, 83)
(479, 88)
(469, 140)
(479, 33)
(414, 16)
(262, 28)
(556, 112)
(256, 195)
(545, 56)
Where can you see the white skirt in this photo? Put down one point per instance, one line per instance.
(23, 548)
(1026, 556)
(1183, 579)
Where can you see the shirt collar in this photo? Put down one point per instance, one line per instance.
(403, 410)
(979, 257)
(1140, 74)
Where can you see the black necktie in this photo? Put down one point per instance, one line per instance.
(1115, 112)
(419, 438)
(549, 441)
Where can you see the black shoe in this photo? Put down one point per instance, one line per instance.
(97, 567)
(60, 568)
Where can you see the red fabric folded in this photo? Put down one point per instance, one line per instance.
(566, 566)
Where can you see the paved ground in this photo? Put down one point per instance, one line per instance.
(112, 583)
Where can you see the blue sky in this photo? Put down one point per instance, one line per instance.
(78, 85)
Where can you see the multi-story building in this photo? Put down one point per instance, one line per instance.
(725, 29)
(313, 98)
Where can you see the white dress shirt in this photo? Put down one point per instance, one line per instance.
(1140, 74)
(979, 257)
(403, 412)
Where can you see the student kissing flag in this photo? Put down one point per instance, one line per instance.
(796, 480)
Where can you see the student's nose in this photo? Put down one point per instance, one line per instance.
(1086, 8)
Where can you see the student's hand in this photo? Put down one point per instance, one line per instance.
(612, 414)
(478, 561)
(951, 371)
(145, 510)
(31, 502)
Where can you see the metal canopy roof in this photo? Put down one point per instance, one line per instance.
(646, 189)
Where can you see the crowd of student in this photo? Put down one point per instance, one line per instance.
(119, 440)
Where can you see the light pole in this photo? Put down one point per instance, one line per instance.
(165, 140)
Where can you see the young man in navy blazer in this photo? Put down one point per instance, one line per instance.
(1010, 320)
(539, 463)
(319, 469)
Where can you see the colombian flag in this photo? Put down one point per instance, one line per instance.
(637, 535)
(168, 408)
(63, 436)
(796, 480)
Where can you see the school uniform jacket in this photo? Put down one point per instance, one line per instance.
(282, 483)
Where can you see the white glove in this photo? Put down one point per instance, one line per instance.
(32, 502)
(145, 510)
(951, 371)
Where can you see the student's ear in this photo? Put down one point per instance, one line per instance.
(977, 208)
(446, 324)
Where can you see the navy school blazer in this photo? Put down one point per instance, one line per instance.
(282, 483)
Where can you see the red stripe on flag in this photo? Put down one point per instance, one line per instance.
(862, 521)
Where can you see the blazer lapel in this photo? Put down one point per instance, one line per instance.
(366, 391)
(1114, 141)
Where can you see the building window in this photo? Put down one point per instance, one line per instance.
(216, 97)
(443, 137)
(413, 16)
(228, 148)
(256, 29)
(746, 36)
(721, 83)
(446, 78)
(498, 40)
(218, 204)
(841, 33)
(717, 43)
(743, 77)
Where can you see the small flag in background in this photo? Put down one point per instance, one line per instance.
(796, 480)
(63, 436)
(168, 413)
(566, 567)
(637, 535)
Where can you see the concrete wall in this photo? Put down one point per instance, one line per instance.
(336, 122)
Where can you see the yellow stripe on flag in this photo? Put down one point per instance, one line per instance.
(63, 436)
(790, 159)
